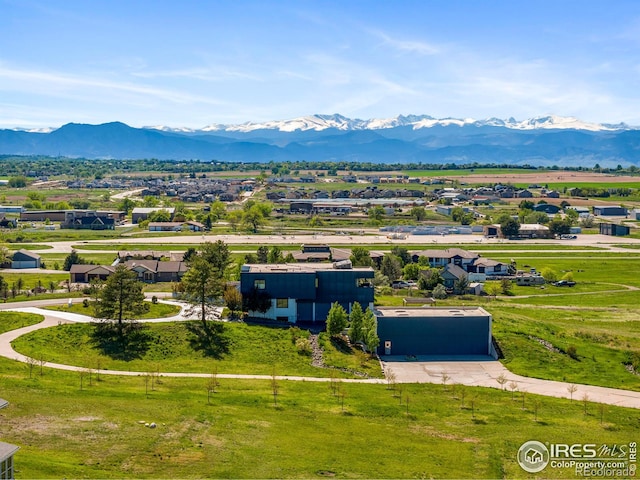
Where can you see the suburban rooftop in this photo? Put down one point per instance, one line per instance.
(296, 267)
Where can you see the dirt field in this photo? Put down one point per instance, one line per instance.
(548, 177)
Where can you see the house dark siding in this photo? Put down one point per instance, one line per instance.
(312, 288)
(614, 229)
(438, 332)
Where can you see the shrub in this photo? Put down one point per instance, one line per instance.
(296, 334)
(572, 351)
(154, 299)
(304, 346)
(85, 303)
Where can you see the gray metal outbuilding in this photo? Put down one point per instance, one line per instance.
(434, 331)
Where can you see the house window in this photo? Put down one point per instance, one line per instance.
(363, 282)
(259, 284)
(6, 468)
(282, 303)
(497, 268)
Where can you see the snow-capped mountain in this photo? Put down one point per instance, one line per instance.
(540, 141)
(324, 122)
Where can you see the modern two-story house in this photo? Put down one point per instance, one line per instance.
(304, 292)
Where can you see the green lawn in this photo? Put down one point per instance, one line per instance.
(360, 431)
(156, 310)
(184, 347)
(12, 321)
(604, 341)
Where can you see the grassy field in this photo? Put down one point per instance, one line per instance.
(12, 321)
(360, 431)
(156, 310)
(184, 347)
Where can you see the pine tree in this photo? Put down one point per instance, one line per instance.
(121, 298)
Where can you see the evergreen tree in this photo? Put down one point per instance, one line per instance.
(121, 298)
(202, 286)
(263, 254)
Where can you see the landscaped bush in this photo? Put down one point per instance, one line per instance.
(572, 351)
(304, 346)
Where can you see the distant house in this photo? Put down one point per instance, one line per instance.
(148, 271)
(452, 274)
(614, 229)
(91, 223)
(524, 194)
(527, 230)
(320, 253)
(87, 273)
(7, 222)
(25, 259)
(609, 211)
(441, 258)
(165, 226)
(140, 214)
(547, 208)
(305, 292)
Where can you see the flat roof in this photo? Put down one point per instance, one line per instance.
(431, 312)
(6, 450)
(297, 268)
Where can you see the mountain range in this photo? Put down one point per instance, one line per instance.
(540, 141)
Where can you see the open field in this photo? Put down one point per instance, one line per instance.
(450, 432)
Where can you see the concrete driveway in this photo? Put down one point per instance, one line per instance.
(485, 371)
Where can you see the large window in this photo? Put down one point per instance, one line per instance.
(282, 303)
(6, 468)
(259, 284)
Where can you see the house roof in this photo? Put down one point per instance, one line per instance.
(27, 253)
(487, 262)
(6, 450)
(165, 267)
(454, 270)
(79, 269)
(448, 253)
(151, 265)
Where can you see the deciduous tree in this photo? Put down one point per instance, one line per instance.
(336, 319)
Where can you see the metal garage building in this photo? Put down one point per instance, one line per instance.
(434, 331)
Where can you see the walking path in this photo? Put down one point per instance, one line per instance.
(472, 371)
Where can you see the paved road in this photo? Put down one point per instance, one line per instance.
(370, 237)
(473, 371)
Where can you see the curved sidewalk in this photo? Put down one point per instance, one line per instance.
(482, 372)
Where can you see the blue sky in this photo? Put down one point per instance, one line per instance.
(194, 63)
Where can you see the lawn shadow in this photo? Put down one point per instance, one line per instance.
(341, 345)
(209, 338)
(128, 343)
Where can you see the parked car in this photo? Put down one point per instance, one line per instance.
(400, 284)
(568, 237)
(564, 283)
